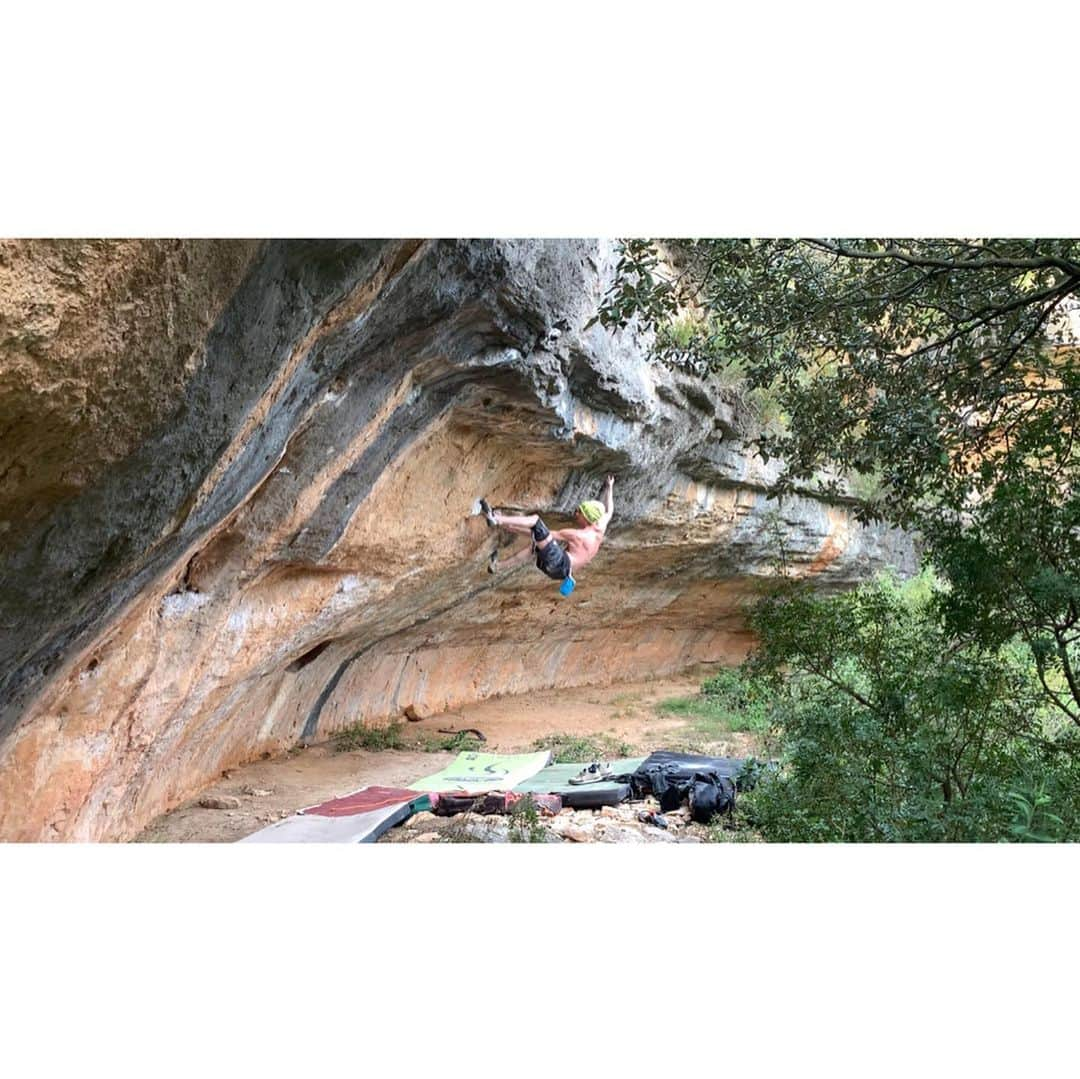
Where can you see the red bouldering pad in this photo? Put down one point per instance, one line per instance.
(363, 801)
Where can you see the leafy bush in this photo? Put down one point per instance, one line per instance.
(572, 748)
(752, 699)
(893, 730)
(1033, 822)
(729, 701)
(525, 824)
(427, 742)
(361, 736)
(868, 486)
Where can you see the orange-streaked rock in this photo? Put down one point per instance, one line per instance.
(313, 560)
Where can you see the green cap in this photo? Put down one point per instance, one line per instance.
(592, 511)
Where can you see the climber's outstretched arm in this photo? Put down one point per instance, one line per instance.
(609, 503)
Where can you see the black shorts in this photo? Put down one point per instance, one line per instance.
(552, 559)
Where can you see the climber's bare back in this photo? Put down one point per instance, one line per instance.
(581, 543)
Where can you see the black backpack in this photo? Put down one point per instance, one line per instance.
(707, 791)
(667, 781)
(710, 795)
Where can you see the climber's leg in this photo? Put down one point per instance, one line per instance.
(508, 521)
(516, 524)
(501, 565)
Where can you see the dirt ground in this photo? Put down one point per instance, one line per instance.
(267, 791)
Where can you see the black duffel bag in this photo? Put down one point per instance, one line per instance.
(706, 790)
(710, 796)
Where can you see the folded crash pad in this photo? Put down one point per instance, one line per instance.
(555, 779)
(449, 805)
(547, 805)
(360, 817)
(358, 828)
(588, 796)
(477, 773)
(364, 800)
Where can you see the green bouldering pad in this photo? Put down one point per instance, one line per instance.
(555, 779)
(477, 773)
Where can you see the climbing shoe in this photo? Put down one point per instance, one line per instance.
(596, 772)
(489, 516)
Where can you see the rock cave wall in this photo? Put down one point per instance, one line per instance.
(258, 527)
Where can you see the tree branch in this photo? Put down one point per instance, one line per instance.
(1066, 666)
(999, 312)
(1044, 263)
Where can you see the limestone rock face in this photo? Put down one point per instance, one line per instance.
(98, 340)
(244, 518)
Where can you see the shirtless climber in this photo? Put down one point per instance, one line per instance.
(557, 561)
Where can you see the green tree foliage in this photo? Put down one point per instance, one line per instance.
(893, 731)
(942, 370)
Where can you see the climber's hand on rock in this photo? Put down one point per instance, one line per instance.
(610, 481)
